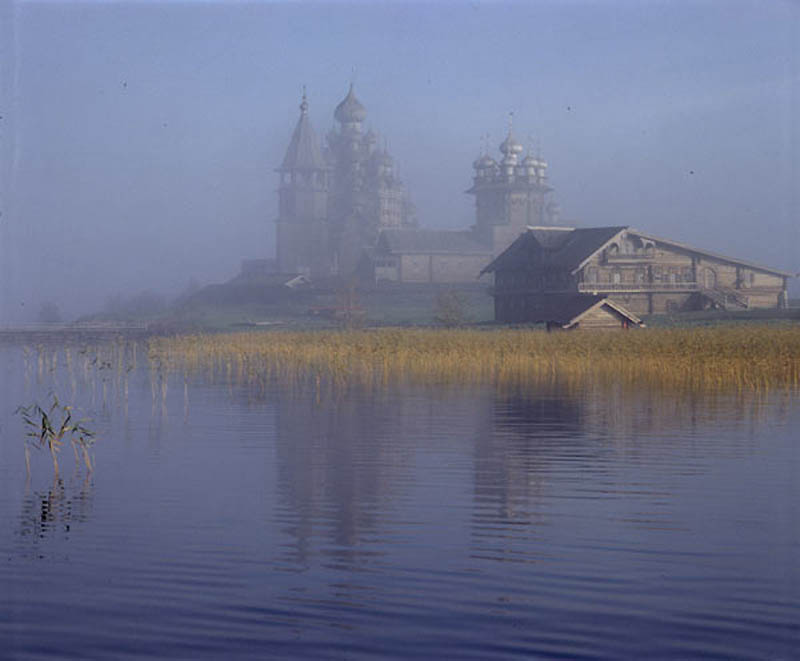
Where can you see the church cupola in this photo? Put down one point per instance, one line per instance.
(350, 112)
(529, 166)
(485, 168)
(511, 150)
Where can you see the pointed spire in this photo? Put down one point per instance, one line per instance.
(304, 103)
(303, 152)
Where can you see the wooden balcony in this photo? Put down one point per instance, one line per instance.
(637, 287)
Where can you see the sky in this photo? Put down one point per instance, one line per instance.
(139, 139)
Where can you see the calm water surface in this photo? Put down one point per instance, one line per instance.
(227, 521)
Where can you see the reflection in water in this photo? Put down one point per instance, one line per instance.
(335, 469)
(480, 521)
(53, 513)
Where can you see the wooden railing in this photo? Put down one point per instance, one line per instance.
(637, 286)
(629, 257)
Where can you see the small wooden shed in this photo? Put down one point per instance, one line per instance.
(580, 312)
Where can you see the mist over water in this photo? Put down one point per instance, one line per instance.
(429, 521)
(139, 140)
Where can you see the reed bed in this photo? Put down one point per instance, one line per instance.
(750, 357)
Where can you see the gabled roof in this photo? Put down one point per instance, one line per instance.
(303, 152)
(568, 309)
(570, 248)
(562, 247)
(411, 241)
(708, 253)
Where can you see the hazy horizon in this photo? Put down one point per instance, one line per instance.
(139, 139)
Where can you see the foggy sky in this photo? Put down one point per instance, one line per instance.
(139, 140)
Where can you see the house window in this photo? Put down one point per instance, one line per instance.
(616, 277)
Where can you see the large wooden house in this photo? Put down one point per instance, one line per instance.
(643, 273)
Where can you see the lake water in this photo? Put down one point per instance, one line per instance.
(485, 522)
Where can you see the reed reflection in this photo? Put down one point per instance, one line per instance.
(53, 513)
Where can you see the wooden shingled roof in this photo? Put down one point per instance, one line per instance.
(304, 152)
(569, 248)
(553, 246)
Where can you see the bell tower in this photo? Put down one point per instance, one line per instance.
(302, 227)
(509, 195)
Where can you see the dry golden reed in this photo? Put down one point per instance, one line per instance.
(721, 357)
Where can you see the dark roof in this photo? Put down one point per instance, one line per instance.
(553, 247)
(567, 248)
(303, 152)
(565, 309)
(430, 241)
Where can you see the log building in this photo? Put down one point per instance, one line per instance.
(640, 272)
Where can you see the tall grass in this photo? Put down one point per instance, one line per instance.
(734, 357)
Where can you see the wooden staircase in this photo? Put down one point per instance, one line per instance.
(725, 298)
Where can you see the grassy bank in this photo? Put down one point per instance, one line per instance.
(722, 357)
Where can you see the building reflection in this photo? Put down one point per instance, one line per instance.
(334, 472)
(531, 436)
(346, 460)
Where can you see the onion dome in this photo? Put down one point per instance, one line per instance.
(529, 165)
(350, 110)
(510, 146)
(485, 162)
